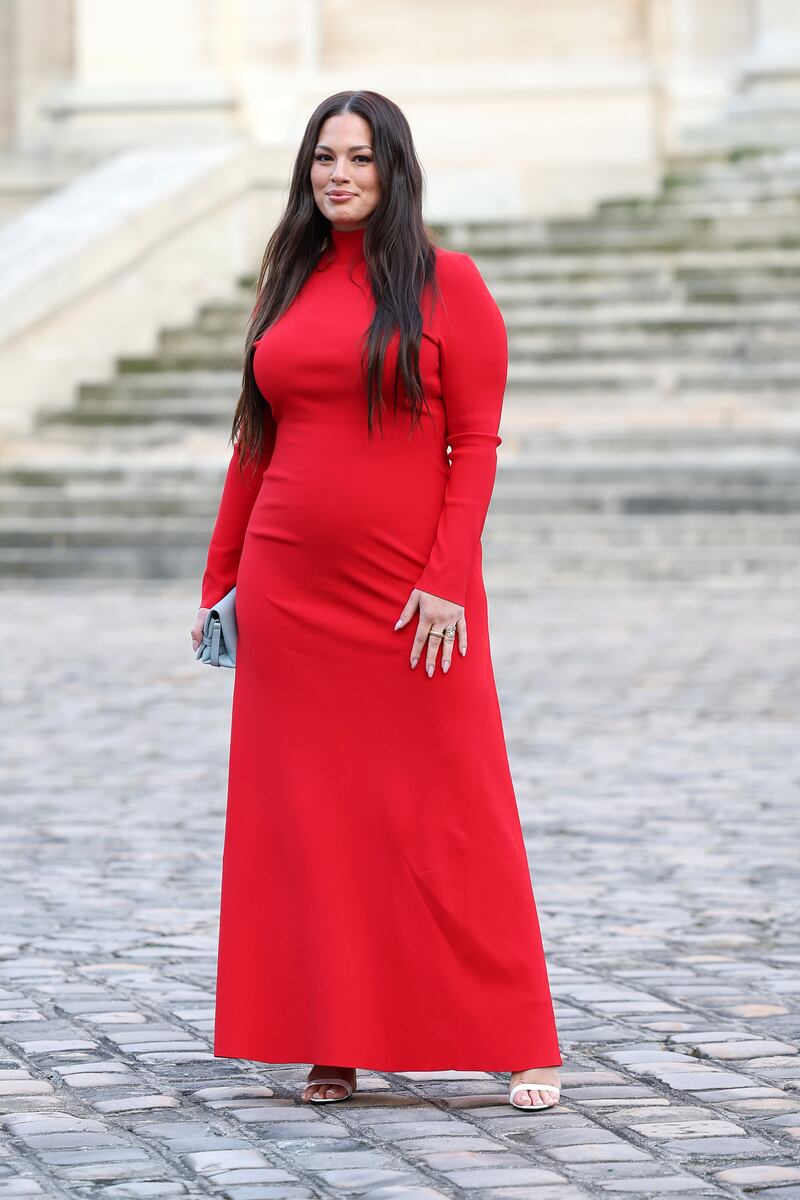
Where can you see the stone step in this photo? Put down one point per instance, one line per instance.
(758, 298)
(657, 417)
(68, 561)
(705, 160)
(719, 527)
(670, 497)
(752, 289)
(661, 340)
(767, 106)
(770, 161)
(521, 310)
(619, 454)
(656, 405)
(705, 189)
(714, 207)
(162, 392)
(662, 415)
(775, 355)
(504, 567)
(105, 529)
(531, 259)
(747, 132)
(582, 564)
(639, 267)
(728, 294)
(663, 316)
(509, 529)
(223, 359)
(70, 499)
(536, 331)
(146, 473)
(540, 512)
(122, 500)
(660, 411)
(104, 437)
(592, 236)
(205, 382)
(223, 319)
(500, 537)
(665, 267)
(124, 517)
(119, 410)
(567, 293)
(770, 167)
(666, 373)
(700, 444)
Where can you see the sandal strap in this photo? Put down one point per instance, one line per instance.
(341, 1083)
(536, 1087)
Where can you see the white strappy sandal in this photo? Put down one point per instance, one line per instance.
(329, 1099)
(531, 1085)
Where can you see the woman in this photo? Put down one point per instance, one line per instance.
(377, 908)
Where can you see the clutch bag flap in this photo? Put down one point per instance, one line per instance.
(218, 647)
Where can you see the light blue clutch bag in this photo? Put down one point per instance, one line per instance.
(218, 647)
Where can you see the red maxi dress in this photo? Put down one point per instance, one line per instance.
(377, 908)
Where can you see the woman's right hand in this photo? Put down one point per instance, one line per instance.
(197, 628)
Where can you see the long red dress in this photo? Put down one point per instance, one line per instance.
(377, 908)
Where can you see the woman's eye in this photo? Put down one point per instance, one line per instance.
(362, 157)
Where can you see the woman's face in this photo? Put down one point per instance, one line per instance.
(343, 165)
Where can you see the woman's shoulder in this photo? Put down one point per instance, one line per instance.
(458, 271)
(452, 264)
(463, 288)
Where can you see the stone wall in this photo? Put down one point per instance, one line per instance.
(518, 109)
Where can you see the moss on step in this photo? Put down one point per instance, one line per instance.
(178, 362)
(737, 153)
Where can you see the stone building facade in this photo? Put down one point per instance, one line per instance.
(518, 108)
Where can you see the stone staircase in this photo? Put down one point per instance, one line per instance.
(651, 427)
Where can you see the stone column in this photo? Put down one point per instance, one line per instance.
(772, 65)
(696, 47)
(146, 73)
(36, 54)
(8, 76)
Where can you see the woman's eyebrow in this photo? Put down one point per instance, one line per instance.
(321, 147)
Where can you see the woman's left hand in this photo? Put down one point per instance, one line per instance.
(435, 615)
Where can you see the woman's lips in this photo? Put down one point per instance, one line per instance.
(339, 195)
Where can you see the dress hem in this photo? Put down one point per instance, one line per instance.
(391, 1066)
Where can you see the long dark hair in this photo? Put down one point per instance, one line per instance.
(398, 250)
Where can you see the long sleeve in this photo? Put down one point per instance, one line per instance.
(239, 495)
(474, 371)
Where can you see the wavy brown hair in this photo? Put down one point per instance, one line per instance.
(398, 250)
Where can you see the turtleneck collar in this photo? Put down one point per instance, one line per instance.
(348, 244)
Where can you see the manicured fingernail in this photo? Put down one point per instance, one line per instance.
(399, 623)
(414, 662)
(446, 667)
(463, 650)
(430, 671)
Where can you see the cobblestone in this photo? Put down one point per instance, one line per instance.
(653, 733)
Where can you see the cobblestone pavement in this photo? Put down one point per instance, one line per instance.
(653, 733)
